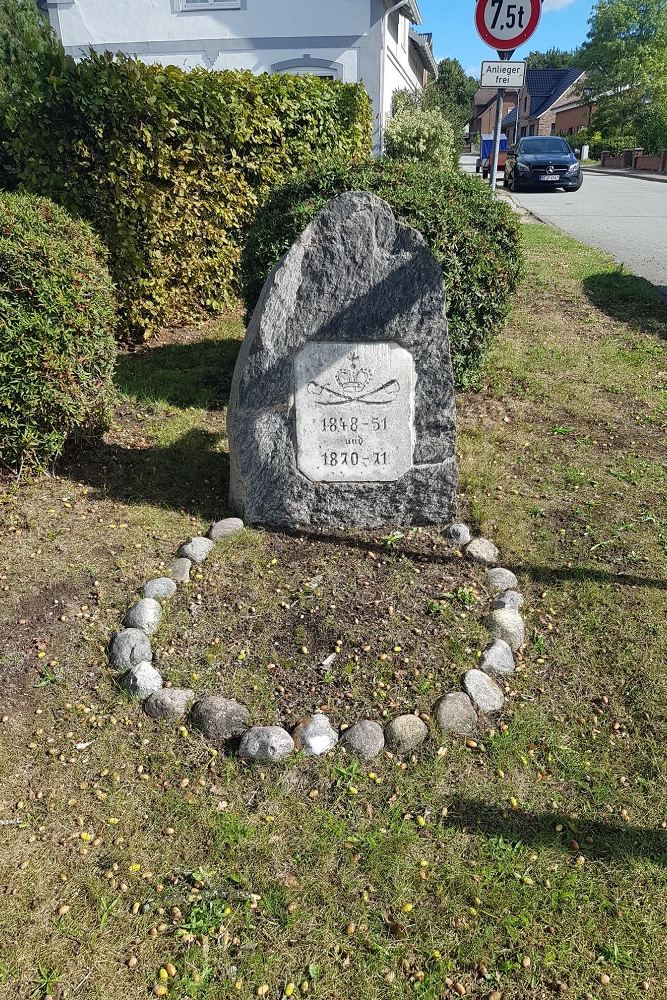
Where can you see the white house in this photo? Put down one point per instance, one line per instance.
(369, 41)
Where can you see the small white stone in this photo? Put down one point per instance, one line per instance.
(145, 615)
(161, 587)
(511, 600)
(507, 625)
(498, 659)
(223, 529)
(460, 533)
(142, 680)
(484, 692)
(197, 550)
(266, 743)
(499, 579)
(315, 736)
(483, 551)
(455, 713)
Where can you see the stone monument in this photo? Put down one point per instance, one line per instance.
(342, 404)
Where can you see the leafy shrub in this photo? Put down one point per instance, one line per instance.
(475, 238)
(24, 34)
(423, 134)
(56, 349)
(169, 167)
(651, 128)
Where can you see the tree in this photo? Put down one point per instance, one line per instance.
(554, 59)
(625, 57)
(452, 92)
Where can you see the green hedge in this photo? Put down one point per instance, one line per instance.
(57, 350)
(169, 167)
(475, 238)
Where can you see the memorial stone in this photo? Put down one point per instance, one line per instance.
(342, 405)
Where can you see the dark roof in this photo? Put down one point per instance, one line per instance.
(424, 43)
(510, 119)
(483, 97)
(545, 86)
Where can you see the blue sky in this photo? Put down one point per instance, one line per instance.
(564, 24)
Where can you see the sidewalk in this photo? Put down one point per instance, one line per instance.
(638, 174)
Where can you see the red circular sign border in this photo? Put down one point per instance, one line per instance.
(498, 43)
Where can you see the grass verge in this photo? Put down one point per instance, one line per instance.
(532, 864)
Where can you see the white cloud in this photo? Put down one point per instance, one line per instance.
(556, 4)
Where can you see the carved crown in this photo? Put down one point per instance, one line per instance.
(355, 378)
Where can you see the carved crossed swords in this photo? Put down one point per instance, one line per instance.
(381, 396)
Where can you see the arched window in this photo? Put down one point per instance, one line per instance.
(307, 66)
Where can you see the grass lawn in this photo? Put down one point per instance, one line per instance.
(530, 865)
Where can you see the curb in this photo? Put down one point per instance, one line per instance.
(635, 174)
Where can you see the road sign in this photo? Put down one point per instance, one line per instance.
(507, 24)
(501, 73)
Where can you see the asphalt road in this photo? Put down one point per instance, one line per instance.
(626, 216)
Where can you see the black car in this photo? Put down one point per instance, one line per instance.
(543, 162)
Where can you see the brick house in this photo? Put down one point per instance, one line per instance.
(572, 117)
(483, 121)
(545, 94)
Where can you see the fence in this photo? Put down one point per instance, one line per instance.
(636, 159)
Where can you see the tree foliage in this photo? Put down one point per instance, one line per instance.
(452, 91)
(421, 133)
(554, 58)
(626, 58)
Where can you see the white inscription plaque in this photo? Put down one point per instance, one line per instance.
(354, 412)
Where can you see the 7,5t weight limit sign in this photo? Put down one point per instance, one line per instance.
(507, 24)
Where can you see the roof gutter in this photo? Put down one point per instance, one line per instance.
(426, 51)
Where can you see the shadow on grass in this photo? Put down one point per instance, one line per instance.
(540, 574)
(198, 374)
(596, 839)
(629, 299)
(190, 475)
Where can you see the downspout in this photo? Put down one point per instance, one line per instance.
(383, 61)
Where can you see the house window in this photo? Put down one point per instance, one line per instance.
(210, 4)
(553, 128)
(393, 25)
(532, 130)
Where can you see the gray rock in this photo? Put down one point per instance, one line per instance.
(460, 533)
(365, 739)
(315, 735)
(455, 714)
(507, 625)
(180, 570)
(169, 703)
(498, 659)
(197, 550)
(498, 580)
(511, 600)
(266, 744)
(142, 680)
(225, 528)
(484, 692)
(128, 648)
(145, 615)
(405, 734)
(160, 588)
(483, 551)
(219, 719)
(355, 276)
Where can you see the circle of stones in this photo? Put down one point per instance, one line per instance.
(226, 723)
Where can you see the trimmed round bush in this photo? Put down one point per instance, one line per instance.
(475, 238)
(57, 351)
